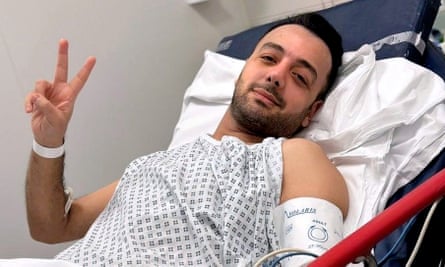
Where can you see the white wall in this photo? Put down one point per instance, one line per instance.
(147, 54)
(262, 11)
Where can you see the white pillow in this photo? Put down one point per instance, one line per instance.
(381, 125)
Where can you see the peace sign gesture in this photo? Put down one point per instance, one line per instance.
(52, 104)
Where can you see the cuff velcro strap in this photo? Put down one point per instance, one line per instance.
(46, 152)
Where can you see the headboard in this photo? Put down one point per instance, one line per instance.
(395, 28)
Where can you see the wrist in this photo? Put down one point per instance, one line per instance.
(47, 152)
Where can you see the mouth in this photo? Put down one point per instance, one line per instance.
(265, 97)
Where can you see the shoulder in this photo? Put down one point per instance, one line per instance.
(299, 149)
(300, 145)
(308, 172)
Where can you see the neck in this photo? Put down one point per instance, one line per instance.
(229, 127)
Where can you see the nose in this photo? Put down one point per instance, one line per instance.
(276, 75)
(273, 80)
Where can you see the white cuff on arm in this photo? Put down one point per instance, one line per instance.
(311, 225)
(46, 152)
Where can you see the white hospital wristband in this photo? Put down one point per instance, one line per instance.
(47, 152)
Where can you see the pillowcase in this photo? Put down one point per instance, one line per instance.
(381, 125)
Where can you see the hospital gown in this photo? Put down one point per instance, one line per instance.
(205, 203)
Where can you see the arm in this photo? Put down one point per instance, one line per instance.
(51, 106)
(45, 203)
(309, 173)
(314, 201)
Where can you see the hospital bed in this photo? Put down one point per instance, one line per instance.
(392, 29)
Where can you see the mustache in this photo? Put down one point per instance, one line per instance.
(271, 89)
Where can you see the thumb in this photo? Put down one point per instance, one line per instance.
(43, 106)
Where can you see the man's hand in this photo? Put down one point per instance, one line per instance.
(52, 104)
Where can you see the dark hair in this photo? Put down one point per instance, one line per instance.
(318, 25)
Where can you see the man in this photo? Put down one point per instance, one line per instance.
(224, 199)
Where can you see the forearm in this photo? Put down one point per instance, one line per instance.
(45, 198)
(51, 105)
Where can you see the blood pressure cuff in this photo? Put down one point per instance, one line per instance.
(312, 225)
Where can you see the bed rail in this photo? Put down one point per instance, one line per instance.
(359, 243)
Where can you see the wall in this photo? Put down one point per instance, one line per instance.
(147, 54)
(262, 11)
(440, 25)
(440, 20)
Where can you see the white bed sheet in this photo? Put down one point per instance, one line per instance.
(382, 124)
(35, 262)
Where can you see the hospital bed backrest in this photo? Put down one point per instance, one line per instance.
(395, 28)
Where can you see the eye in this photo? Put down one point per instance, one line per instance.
(268, 59)
(300, 78)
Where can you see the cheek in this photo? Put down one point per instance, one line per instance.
(240, 86)
(245, 80)
(297, 100)
(252, 72)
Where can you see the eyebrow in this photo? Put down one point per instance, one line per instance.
(300, 62)
(274, 46)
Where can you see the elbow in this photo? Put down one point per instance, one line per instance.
(46, 235)
(43, 237)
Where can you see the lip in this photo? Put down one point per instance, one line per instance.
(265, 96)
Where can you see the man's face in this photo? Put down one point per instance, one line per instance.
(275, 93)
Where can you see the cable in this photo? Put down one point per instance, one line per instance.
(422, 233)
(292, 251)
(290, 254)
(398, 241)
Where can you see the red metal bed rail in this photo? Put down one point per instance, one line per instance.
(360, 242)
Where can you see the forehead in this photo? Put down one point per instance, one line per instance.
(293, 35)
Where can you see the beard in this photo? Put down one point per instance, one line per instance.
(258, 119)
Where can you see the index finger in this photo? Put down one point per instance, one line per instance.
(61, 74)
(82, 76)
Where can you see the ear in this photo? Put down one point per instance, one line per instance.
(311, 112)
